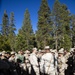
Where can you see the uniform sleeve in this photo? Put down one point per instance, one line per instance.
(42, 65)
(33, 60)
(41, 62)
(63, 64)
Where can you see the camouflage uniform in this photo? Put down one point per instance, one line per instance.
(61, 65)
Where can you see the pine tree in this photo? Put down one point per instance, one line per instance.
(5, 24)
(44, 25)
(4, 33)
(12, 29)
(56, 24)
(61, 20)
(1, 43)
(73, 30)
(25, 33)
(65, 19)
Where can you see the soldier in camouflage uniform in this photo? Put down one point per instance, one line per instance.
(61, 63)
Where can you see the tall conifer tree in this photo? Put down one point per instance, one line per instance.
(44, 25)
(65, 19)
(5, 32)
(5, 24)
(56, 24)
(25, 33)
(62, 24)
(12, 29)
(73, 30)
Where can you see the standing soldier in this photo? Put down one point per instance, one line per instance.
(47, 63)
(34, 61)
(55, 55)
(28, 65)
(20, 56)
(20, 63)
(61, 63)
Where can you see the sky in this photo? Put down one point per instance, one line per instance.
(19, 7)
